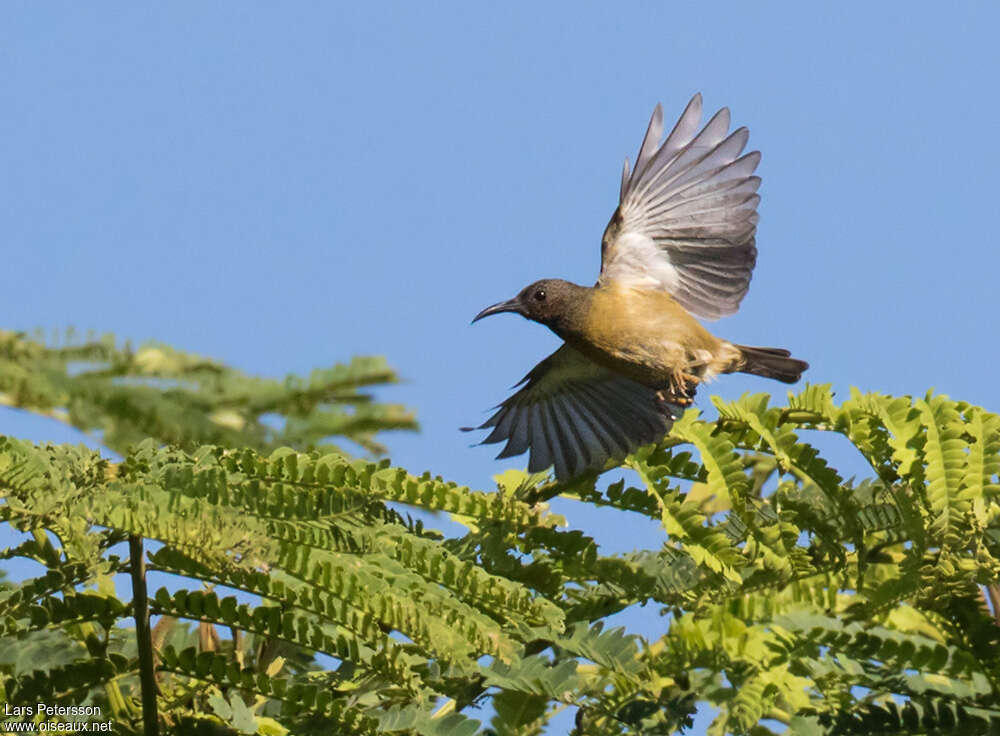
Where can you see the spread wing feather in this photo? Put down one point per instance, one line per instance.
(574, 415)
(687, 215)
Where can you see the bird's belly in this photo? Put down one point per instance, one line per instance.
(652, 362)
(648, 337)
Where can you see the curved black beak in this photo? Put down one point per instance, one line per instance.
(511, 305)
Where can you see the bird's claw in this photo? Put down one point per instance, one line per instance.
(680, 392)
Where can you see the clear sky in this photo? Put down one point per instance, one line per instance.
(284, 185)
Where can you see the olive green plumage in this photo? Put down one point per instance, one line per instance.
(681, 243)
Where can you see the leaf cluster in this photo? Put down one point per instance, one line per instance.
(124, 395)
(304, 599)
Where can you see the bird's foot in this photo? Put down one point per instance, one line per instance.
(681, 390)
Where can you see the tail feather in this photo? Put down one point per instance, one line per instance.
(771, 363)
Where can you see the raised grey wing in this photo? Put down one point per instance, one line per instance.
(687, 215)
(575, 415)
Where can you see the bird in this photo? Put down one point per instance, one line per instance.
(680, 245)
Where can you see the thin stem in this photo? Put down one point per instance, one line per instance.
(140, 603)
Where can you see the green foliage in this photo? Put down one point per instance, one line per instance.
(788, 595)
(126, 395)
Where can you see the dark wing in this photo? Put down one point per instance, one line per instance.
(575, 415)
(687, 217)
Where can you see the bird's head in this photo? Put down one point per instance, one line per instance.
(552, 302)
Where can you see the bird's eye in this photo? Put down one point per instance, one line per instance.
(539, 295)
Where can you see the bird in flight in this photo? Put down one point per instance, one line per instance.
(680, 245)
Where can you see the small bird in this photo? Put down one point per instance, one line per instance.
(680, 244)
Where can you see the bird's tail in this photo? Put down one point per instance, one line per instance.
(771, 363)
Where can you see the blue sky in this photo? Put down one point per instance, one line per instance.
(282, 186)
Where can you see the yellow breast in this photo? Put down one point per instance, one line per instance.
(644, 334)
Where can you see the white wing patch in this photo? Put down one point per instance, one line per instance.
(687, 217)
(640, 258)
